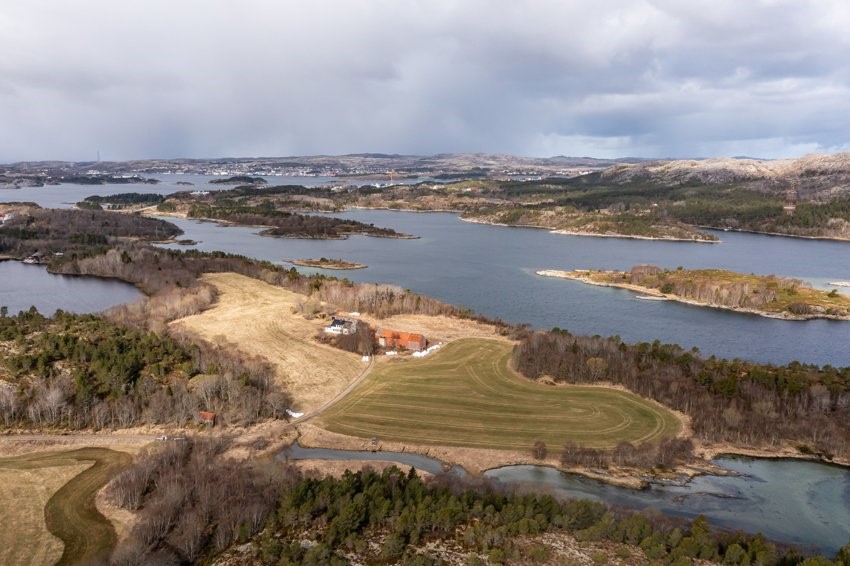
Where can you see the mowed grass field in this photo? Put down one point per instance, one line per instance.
(465, 395)
(47, 506)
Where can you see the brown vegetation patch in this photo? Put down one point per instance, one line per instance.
(260, 319)
(54, 492)
(337, 468)
(24, 491)
(437, 328)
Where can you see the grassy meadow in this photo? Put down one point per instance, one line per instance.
(466, 395)
(47, 506)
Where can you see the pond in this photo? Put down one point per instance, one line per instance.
(23, 286)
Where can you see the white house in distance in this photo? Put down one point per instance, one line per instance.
(341, 326)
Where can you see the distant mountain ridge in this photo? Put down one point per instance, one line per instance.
(367, 163)
(814, 176)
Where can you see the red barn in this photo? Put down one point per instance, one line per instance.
(388, 338)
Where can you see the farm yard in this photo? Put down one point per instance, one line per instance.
(466, 395)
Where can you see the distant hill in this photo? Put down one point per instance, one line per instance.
(813, 177)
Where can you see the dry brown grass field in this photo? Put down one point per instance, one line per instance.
(47, 506)
(258, 318)
(437, 328)
(466, 395)
(25, 488)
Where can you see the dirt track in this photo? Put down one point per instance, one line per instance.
(71, 513)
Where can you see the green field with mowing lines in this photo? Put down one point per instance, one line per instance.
(466, 395)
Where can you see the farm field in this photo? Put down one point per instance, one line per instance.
(466, 395)
(47, 499)
(257, 318)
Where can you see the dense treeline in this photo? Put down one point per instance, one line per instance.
(287, 224)
(80, 371)
(718, 206)
(76, 233)
(239, 179)
(727, 400)
(719, 290)
(639, 207)
(829, 219)
(126, 199)
(276, 190)
(106, 180)
(192, 503)
(718, 287)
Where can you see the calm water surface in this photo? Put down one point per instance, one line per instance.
(492, 270)
(801, 503)
(795, 502)
(418, 461)
(67, 195)
(23, 286)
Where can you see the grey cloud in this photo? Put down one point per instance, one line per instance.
(647, 77)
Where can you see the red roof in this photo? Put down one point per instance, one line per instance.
(397, 336)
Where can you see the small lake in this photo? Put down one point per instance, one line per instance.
(23, 286)
(795, 502)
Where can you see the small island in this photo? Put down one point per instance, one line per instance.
(265, 208)
(765, 295)
(603, 224)
(239, 180)
(325, 263)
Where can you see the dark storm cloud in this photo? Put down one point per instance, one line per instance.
(621, 77)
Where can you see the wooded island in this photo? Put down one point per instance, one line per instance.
(765, 295)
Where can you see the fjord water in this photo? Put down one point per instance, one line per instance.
(23, 286)
(67, 195)
(491, 269)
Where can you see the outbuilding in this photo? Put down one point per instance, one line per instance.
(388, 338)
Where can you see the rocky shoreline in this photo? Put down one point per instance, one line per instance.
(588, 234)
(655, 293)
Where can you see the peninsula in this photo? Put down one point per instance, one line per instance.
(494, 394)
(282, 218)
(765, 295)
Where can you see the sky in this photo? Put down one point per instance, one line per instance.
(146, 79)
